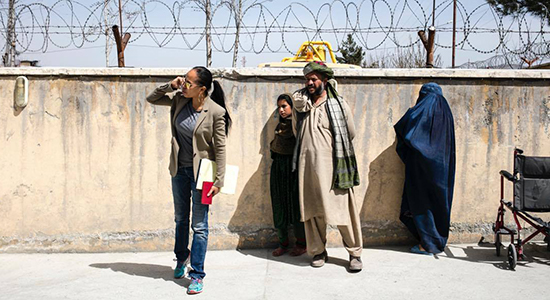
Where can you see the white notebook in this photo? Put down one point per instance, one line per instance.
(207, 172)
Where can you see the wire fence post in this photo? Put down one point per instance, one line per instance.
(106, 22)
(454, 34)
(208, 11)
(433, 15)
(120, 15)
(9, 56)
(238, 11)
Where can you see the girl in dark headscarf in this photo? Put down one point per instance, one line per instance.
(426, 144)
(284, 182)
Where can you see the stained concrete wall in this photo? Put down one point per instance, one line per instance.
(84, 166)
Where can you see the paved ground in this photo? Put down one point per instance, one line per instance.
(462, 272)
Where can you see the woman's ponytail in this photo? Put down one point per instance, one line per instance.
(218, 96)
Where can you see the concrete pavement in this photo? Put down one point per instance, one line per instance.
(462, 272)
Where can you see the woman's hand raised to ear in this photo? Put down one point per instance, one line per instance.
(177, 82)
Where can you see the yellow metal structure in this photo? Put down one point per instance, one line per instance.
(310, 51)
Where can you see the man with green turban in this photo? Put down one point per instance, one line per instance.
(327, 169)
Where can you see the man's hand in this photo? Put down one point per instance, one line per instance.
(177, 82)
(214, 190)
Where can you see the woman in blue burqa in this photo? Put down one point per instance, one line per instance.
(426, 144)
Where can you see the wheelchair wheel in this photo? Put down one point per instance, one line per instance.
(498, 244)
(512, 257)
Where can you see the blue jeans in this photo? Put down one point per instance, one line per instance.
(183, 190)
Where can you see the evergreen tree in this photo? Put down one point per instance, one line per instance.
(540, 8)
(351, 52)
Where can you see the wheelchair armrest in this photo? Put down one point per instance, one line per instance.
(507, 175)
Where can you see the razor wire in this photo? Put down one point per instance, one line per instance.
(264, 27)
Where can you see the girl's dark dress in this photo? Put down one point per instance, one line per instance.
(284, 185)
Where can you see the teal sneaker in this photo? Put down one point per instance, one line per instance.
(179, 271)
(195, 287)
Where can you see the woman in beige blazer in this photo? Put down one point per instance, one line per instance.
(200, 124)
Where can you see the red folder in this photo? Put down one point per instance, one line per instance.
(206, 186)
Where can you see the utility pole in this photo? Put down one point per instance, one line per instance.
(106, 22)
(120, 15)
(9, 56)
(238, 16)
(433, 15)
(454, 33)
(208, 11)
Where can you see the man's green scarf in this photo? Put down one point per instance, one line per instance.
(345, 174)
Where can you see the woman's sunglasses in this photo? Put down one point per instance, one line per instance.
(186, 84)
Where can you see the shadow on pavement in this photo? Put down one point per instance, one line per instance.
(303, 260)
(144, 270)
(484, 252)
(299, 261)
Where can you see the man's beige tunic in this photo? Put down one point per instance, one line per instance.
(320, 204)
(316, 167)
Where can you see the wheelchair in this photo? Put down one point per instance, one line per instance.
(531, 183)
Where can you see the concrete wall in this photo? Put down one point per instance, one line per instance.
(84, 166)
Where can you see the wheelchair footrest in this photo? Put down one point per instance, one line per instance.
(538, 220)
(541, 222)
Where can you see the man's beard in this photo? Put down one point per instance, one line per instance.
(318, 91)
